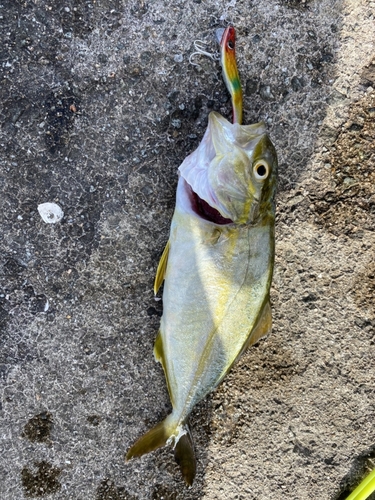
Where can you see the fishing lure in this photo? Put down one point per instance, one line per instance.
(231, 77)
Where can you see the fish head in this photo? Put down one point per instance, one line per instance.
(232, 172)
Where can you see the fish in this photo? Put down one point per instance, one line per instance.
(216, 267)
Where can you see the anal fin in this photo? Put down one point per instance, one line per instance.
(158, 349)
(160, 358)
(162, 267)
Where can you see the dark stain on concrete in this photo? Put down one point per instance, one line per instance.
(297, 4)
(107, 490)
(161, 492)
(94, 420)
(42, 482)
(38, 428)
(61, 107)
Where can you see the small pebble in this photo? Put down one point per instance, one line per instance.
(50, 212)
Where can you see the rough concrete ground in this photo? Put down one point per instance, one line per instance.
(99, 107)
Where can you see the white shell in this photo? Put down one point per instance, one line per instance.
(50, 212)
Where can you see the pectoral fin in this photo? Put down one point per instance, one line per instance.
(162, 267)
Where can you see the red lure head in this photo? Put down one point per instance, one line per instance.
(228, 41)
(230, 73)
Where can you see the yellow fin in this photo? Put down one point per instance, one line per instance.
(169, 432)
(158, 349)
(185, 456)
(152, 440)
(263, 326)
(160, 358)
(162, 267)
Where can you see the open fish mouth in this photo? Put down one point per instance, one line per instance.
(203, 209)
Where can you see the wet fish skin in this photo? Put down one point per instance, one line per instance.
(217, 271)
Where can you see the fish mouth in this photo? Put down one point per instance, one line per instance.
(203, 209)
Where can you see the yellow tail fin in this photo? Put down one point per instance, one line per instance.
(159, 435)
(185, 457)
(153, 439)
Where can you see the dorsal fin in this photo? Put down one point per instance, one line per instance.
(263, 326)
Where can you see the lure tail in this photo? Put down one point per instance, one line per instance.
(164, 433)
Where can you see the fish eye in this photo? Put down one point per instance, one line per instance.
(261, 170)
(230, 45)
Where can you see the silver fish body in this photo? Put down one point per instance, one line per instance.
(217, 271)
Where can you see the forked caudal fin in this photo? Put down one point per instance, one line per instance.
(185, 457)
(164, 433)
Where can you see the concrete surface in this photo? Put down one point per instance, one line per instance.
(99, 107)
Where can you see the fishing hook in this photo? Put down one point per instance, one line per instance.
(199, 50)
